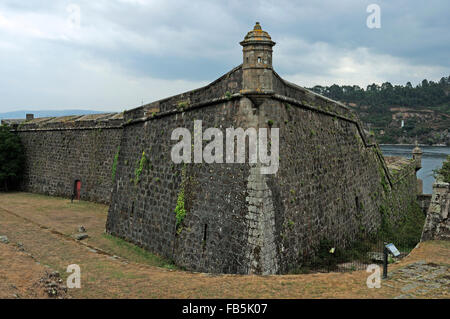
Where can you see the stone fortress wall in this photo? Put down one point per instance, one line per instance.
(62, 150)
(332, 181)
(330, 184)
(437, 224)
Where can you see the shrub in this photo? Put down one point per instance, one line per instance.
(445, 170)
(12, 159)
(407, 232)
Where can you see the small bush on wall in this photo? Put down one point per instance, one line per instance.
(445, 170)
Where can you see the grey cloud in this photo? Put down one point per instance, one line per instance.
(197, 41)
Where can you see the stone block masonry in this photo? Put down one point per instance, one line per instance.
(437, 224)
(214, 230)
(330, 184)
(62, 150)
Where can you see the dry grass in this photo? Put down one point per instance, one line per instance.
(18, 274)
(140, 274)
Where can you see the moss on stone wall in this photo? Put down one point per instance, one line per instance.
(406, 232)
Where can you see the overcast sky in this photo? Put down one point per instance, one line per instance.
(111, 55)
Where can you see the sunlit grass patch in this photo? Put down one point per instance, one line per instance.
(136, 253)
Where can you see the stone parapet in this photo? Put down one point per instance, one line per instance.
(437, 224)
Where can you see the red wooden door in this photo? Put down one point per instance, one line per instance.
(77, 190)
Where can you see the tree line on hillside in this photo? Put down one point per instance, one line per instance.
(378, 97)
(374, 102)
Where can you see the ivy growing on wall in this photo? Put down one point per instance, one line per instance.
(114, 167)
(186, 197)
(180, 210)
(142, 164)
(383, 180)
(407, 231)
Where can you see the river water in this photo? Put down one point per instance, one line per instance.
(432, 158)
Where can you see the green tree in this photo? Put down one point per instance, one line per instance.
(12, 159)
(445, 170)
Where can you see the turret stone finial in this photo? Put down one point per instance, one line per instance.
(417, 149)
(417, 156)
(257, 65)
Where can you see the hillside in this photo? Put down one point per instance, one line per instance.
(398, 114)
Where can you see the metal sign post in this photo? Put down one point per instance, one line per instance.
(385, 261)
(388, 248)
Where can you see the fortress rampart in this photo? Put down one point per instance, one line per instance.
(332, 181)
(63, 150)
(437, 224)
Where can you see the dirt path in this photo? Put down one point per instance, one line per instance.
(29, 220)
